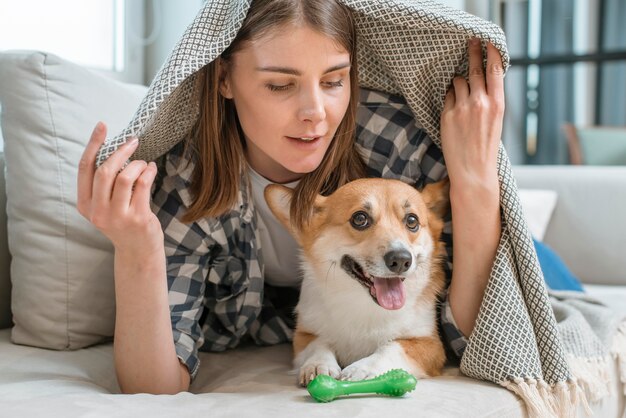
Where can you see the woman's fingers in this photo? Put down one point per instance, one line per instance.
(449, 101)
(480, 81)
(105, 175)
(87, 168)
(476, 73)
(123, 186)
(461, 89)
(143, 186)
(495, 73)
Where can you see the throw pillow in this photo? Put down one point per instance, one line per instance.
(538, 206)
(555, 272)
(62, 267)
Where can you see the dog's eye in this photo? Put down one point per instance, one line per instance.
(412, 222)
(360, 220)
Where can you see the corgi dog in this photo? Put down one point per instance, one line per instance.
(373, 268)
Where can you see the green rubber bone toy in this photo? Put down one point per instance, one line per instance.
(395, 382)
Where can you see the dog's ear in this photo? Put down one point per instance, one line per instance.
(437, 197)
(278, 198)
(319, 205)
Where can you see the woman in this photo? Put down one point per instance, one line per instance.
(279, 105)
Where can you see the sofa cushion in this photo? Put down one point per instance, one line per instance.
(248, 381)
(62, 267)
(538, 206)
(586, 230)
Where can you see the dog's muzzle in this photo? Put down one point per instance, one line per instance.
(388, 292)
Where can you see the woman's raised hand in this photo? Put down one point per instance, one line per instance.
(471, 126)
(471, 121)
(118, 202)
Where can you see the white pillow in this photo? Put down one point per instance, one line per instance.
(62, 267)
(538, 206)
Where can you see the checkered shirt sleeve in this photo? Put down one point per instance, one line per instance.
(187, 250)
(453, 337)
(395, 146)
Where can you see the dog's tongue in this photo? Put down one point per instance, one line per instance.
(389, 293)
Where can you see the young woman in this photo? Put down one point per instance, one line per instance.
(279, 105)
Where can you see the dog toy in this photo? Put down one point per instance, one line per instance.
(395, 382)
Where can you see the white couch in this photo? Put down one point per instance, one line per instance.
(587, 229)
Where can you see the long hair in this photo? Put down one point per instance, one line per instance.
(217, 144)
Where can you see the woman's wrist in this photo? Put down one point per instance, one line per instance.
(140, 250)
(475, 189)
(140, 246)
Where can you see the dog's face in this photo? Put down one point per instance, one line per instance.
(378, 235)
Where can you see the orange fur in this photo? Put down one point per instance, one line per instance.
(301, 339)
(427, 352)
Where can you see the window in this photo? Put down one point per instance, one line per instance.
(568, 64)
(92, 33)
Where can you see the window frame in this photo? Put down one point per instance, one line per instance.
(133, 54)
(533, 62)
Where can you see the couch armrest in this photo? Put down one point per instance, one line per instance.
(588, 228)
(5, 282)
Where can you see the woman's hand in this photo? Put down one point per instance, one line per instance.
(471, 121)
(118, 202)
(471, 125)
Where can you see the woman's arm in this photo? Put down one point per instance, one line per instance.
(145, 358)
(476, 231)
(471, 126)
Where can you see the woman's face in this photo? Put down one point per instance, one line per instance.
(291, 89)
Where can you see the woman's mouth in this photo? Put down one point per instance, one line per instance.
(305, 139)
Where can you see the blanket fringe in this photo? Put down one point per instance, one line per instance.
(618, 351)
(593, 375)
(544, 401)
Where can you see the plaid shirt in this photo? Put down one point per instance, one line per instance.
(217, 295)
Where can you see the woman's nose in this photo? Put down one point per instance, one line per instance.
(312, 106)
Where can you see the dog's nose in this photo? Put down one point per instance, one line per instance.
(398, 261)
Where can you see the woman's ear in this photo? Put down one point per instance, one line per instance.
(224, 79)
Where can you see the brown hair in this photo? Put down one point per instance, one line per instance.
(216, 141)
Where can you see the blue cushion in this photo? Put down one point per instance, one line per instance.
(555, 272)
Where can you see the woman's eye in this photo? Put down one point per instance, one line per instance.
(412, 222)
(274, 87)
(360, 220)
(334, 83)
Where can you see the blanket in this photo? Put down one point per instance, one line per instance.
(551, 350)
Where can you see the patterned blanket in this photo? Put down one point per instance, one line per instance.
(554, 351)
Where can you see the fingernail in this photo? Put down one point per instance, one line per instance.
(132, 141)
(474, 41)
(99, 126)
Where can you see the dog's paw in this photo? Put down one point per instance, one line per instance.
(357, 371)
(309, 371)
(367, 368)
